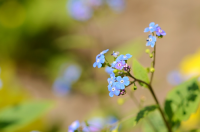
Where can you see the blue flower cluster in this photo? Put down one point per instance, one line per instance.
(95, 124)
(117, 70)
(82, 10)
(151, 40)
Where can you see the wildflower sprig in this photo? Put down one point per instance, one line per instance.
(121, 70)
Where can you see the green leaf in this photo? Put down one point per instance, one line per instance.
(15, 117)
(168, 110)
(154, 123)
(144, 112)
(182, 101)
(139, 71)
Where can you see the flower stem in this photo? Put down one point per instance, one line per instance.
(156, 100)
(154, 61)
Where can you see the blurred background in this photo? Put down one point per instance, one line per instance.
(48, 47)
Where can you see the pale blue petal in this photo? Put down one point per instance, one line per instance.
(154, 38)
(99, 65)
(116, 92)
(109, 88)
(148, 44)
(125, 78)
(152, 45)
(111, 94)
(158, 33)
(122, 86)
(151, 24)
(146, 30)
(128, 55)
(95, 64)
(152, 30)
(119, 78)
(126, 83)
(102, 60)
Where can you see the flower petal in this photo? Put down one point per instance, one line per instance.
(111, 94)
(126, 83)
(151, 24)
(95, 64)
(146, 30)
(99, 65)
(125, 78)
(116, 92)
(109, 88)
(119, 78)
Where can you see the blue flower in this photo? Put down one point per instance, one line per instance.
(151, 28)
(120, 65)
(115, 54)
(122, 82)
(109, 70)
(74, 126)
(61, 87)
(72, 73)
(112, 79)
(114, 90)
(124, 57)
(159, 31)
(79, 10)
(116, 5)
(151, 41)
(99, 61)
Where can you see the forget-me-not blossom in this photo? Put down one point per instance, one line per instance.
(122, 82)
(99, 61)
(160, 32)
(115, 54)
(114, 90)
(151, 28)
(151, 40)
(120, 65)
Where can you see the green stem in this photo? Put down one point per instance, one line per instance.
(156, 100)
(154, 58)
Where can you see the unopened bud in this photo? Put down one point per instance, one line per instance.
(152, 69)
(147, 51)
(120, 101)
(115, 71)
(151, 55)
(135, 87)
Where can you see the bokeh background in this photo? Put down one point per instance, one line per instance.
(47, 55)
